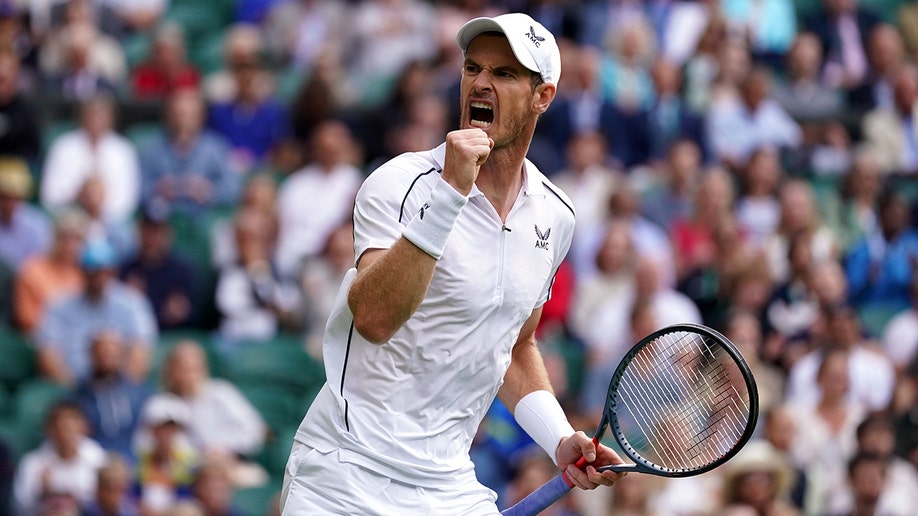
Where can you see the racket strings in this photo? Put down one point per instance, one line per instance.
(680, 405)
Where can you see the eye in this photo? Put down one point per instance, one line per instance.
(472, 68)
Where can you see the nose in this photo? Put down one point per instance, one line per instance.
(482, 81)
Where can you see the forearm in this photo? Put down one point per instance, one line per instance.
(525, 375)
(388, 289)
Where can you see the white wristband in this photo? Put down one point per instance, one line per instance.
(430, 228)
(541, 416)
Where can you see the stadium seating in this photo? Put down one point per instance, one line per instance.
(18, 362)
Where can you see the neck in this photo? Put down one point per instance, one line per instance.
(501, 178)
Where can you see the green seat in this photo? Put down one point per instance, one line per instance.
(875, 318)
(279, 407)
(255, 501)
(32, 401)
(17, 358)
(282, 362)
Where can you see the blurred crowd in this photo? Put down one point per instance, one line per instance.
(176, 185)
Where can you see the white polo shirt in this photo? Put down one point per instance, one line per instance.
(410, 407)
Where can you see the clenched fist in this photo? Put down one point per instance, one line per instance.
(466, 151)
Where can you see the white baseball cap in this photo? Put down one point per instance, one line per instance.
(532, 44)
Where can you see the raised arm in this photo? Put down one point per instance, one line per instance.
(391, 283)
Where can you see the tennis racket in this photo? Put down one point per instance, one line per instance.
(682, 402)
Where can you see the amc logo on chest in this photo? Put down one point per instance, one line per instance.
(541, 238)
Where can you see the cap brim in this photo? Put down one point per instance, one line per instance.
(478, 26)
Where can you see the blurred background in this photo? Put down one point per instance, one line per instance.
(176, 185)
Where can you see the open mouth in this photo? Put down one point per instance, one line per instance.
(481, 114)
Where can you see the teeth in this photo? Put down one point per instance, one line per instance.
(479, 123)
(480, 105)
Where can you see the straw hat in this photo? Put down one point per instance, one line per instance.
(756, 457)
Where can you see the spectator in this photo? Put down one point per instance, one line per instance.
(890, 130)
(93, 149)
(213, 489)
(770, 26)
(79, 63)
(826, 429)
(843, 28)
(113, 490)
(386, 36)
(669, 119)
(886, 54)
(670, 198)
(702, 68)
(879, 266)
(876, 436)
(159, 273)
(242, 43)
(304, 228)
(253, 299)
(870, 377)
(63, 336)
(120, 234)
(589, 181)
(20, 137)
(252, 120)
(166, 68)
(758, 479)
(650, 241)
(900, 335)
(624, 79)
(24, 230)
(110, 401)
(802, 93)
(304, 32)
(869, 490)
(851, 213)
(186, 163)
(65, 465)
(744, 329)
(215, 405)
(45, 278)
(758, 210)
(794, 307)
(737, 128)
(260, 195)
(166, 460)
(693, 236)
(320, 279)
(138, 16)
(799, 216)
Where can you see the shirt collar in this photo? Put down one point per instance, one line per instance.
(533, 184)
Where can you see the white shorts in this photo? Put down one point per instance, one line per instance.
(318, 483)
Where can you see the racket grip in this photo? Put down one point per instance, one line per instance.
(539, 500)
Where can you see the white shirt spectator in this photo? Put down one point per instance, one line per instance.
(736, 132)
(72, 159)
(900, 338)
(220, 406)
(76, 476)
(311, 204)
(871, 375)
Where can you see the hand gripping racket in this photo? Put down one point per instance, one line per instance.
(682, 402)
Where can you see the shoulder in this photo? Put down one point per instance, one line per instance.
(554, 194)
(404, 172)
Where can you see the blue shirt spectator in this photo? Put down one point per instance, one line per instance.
(24, 230)
(880, 266)
(110, 402)
(64, 335)
(185, 164)
(158, 272)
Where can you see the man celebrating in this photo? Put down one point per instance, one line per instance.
(457, 248)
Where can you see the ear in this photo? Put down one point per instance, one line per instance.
(542, 96)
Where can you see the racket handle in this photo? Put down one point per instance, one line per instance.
(618, 468)
(539, 500)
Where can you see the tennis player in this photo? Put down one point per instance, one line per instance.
(457, 248)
